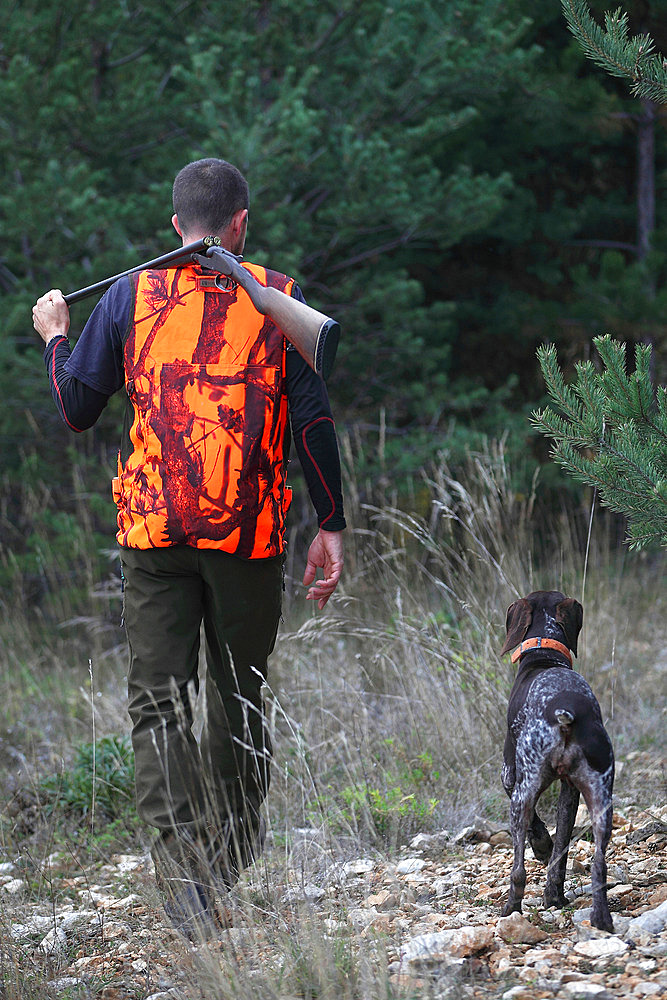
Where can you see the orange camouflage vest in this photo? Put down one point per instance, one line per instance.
(204, 372)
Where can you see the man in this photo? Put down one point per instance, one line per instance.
(202, 500)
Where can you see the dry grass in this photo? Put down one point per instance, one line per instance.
(387, 711)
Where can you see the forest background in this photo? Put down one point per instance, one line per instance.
(454, 182)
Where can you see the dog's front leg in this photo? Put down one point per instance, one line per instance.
(568, 802)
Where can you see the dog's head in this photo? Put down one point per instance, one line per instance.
(543, 609)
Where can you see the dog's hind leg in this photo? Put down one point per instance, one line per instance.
(599, 802)
(521, 810)
(568, 801)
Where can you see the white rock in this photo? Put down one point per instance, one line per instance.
(37, 924)
(126, 903)
(76, 919)
(94, 896)
(66, 983)
(434, 842)
(618, 891)
(14, 886)
(128, 862)
(536, 955)
(410, 865)
(7, 867)
(583, 989)
(515, 929)
(601, 947)
(359, 867)
(621, 923)
(651, 922)
(467, 833)
(309, 893)
(54, 944)
(362, 916)
(649, 989)
(449, 946)
(113, 929)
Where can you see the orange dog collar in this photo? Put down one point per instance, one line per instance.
(540, 643)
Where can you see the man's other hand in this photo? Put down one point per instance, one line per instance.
(50, 315)
(325, 553)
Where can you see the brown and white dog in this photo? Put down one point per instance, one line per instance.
(554, 732)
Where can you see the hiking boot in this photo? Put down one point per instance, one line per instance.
(232, 849)
(190, 911)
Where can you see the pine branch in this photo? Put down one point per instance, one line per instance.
(608, 430)
(631, 58)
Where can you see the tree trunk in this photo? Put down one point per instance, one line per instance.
(645, 177)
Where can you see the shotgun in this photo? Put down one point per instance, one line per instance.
(314, 335)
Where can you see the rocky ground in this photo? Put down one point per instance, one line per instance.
(427, 922)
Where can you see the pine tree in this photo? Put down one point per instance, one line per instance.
(609, 431)
(609, 428)
(631, 57)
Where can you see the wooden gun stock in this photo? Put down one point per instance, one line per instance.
(314, 335)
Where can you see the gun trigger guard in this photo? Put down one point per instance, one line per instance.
(227, 284)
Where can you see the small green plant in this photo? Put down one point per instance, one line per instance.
(101, 778)
(392, 812)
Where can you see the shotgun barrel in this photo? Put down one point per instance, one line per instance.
(181, 255)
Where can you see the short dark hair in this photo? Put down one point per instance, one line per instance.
(207, 194)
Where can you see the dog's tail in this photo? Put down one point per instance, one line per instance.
(564, 719)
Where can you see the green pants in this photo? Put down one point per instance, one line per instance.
(206, 797)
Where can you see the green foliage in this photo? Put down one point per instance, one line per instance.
(609, 430)
(101, 777)
(398, 805)
(630, 57)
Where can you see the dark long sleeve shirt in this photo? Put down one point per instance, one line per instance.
(83, 379)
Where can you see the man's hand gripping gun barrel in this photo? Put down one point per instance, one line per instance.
(314, 335)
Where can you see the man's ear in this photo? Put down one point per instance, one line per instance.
(174, 222)
(239, 225)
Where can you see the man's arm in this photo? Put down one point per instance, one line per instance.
(78, 404)
(82, 380)
(314, 435)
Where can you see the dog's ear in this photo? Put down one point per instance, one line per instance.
(519, 617)
(570, 616)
